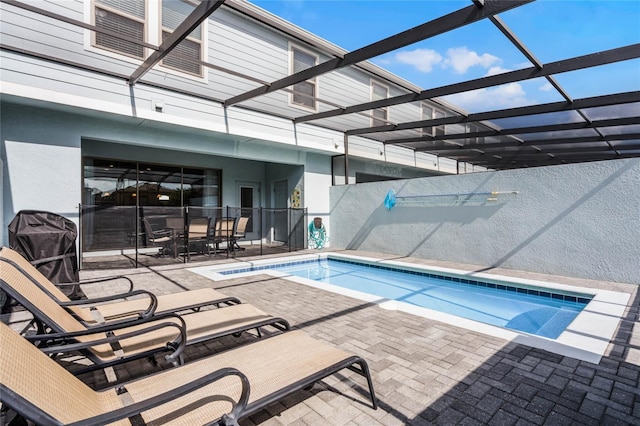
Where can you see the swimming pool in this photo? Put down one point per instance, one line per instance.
(569, 320)
(543, 313)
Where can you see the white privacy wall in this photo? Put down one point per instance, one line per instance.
(580, 220)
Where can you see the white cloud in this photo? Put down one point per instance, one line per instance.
(523, 65)
(496, 70)
(505, 96)
(422, 59)
(461, 59)
(546, 87)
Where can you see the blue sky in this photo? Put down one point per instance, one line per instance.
(552, 30)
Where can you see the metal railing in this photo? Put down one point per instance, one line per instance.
(113, 236)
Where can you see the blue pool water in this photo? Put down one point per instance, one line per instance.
(537, 311)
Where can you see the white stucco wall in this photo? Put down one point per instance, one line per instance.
(36, 185)
(317, 178)
(42, 166)
(580, 220)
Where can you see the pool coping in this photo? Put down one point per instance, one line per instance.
(586, 338)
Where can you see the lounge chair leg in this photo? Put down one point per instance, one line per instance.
(366, 373)
(175, 361)
(176, 358)
(152, 360)
(228, 420)
(18, 420)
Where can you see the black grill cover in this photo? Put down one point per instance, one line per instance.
(48, 241)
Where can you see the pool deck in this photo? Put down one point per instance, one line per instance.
(424, 371)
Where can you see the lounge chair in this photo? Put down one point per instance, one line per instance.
(223, 388)
(146, 306)
(58, 331)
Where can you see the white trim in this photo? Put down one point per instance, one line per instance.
(46, 95)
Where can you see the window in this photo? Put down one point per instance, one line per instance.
(143, 21)
(439, 129)
(304, 93)
(173, 13)
(126, 17)
(427, 114)
(378, 92)
(474, 128)
(116, 193)
(122, 183)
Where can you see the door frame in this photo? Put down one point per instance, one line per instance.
(254, 234)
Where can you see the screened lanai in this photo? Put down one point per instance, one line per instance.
(570, 130)
(572, 127)
(570, 224)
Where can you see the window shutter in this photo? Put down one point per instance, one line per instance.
(130, 7)
(123, 25)
(304, 88)
(379, 92)
(439, 129)
(186, 48)
(174, 12)
(302, 61)
(427, 114)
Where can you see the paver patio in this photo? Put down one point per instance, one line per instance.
(424, 372)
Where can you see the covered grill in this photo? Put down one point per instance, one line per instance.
(48, 241)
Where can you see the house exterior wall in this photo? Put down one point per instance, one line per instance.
(42, 165)
(232, 40)
(578, 220)
(42, 154)
(64, 98)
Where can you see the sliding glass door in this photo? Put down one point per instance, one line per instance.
(116, 193)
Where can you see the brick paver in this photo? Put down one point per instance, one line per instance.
(424, 372)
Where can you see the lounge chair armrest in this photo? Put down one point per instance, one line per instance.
(59, 345)
(112, 326)
(151, 309)
(138, 407)
(100, 280)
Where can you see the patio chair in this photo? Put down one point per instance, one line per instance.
(57, 331)
(239, 233)
(163, 238)
(107, 308)
(198, 235)
(223, 388)
(223, 232)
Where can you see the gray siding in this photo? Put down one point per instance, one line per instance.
(234, 42)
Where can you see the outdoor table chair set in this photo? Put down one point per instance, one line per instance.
(203, 235)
